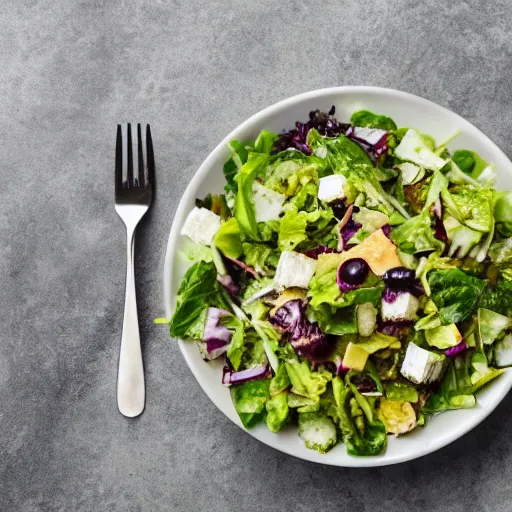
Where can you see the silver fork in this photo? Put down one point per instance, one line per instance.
(134, 182)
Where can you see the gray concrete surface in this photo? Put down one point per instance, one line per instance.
(69, 71)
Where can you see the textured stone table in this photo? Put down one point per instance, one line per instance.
(69, 71)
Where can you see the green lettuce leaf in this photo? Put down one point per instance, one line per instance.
(455, 293)
(368, 119)
(456, 390)
(401, 392)
(296, 227)
(473, 207)
(334, 320)
(265, 142)
(348, 158)
(227, 239)
(245, 212)
(464, 160)
(469, 162)
(503, 212)
(501, 255)
(378, 341)
(289, 176)
(362, 432)
(280, 382)
(249, 400)
(482, 374)
(254, 350)
(438, 183)
(261, 257)
(292, 230)
(239, 155)
(236, 347)
(498, 298)
(491, 325)
(199, 290)
(196, 252)
(303, 404)
(277, 412)
(416, 235)
(305, 382)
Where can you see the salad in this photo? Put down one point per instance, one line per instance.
(355, 278)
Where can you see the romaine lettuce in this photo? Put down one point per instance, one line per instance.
(455, 293)
(249, 400)
(244, 206)
(369, 119)
(199, 290)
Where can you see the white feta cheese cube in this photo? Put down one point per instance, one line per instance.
(422, 366)
(267, 203)
(294, 269)
(331, 187)
(201, 226)
(413, 149)
(404, 307)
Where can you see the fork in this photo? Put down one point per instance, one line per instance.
(134, 182)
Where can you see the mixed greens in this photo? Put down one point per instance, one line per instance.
(356, 278)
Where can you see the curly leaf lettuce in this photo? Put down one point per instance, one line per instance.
(416, 235)
(305, 382)
(295, 226)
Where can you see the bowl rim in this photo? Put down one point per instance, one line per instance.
(181, 212)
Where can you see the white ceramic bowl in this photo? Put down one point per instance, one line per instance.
(406, 110)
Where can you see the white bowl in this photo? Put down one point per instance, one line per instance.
(406, 110)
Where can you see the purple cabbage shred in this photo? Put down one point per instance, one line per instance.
(457, 349)
(230, 377)
(372, 140)
(397, 329)
(216, 335)
(325, 123)
(306, 338)
(314, 253)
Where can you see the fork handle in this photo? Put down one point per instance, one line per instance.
(130, 377)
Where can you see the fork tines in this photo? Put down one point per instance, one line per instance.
(135, 161)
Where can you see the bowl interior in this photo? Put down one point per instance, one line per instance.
(406, 110)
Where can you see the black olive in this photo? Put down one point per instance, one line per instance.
(402, 279)
(398, 274)
(353, 272)
(338, 208)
